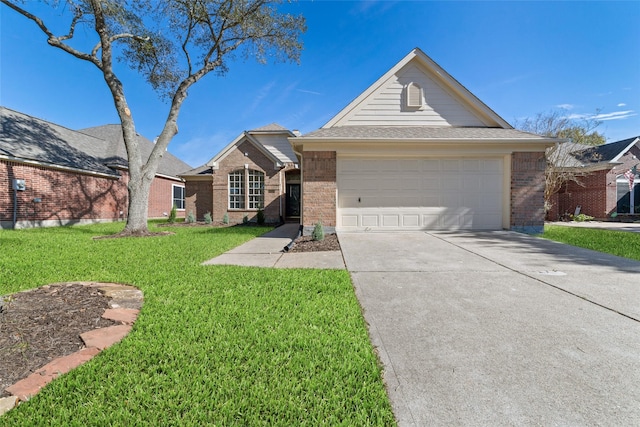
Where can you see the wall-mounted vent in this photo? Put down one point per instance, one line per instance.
(414, 95)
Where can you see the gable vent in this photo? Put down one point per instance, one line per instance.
(414, 95)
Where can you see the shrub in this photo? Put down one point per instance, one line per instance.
(318, 232)
(245, 220)
(225, 218)
(207, 218)
(191, 218)
(260, 217)
(172, 215)
(582, 218)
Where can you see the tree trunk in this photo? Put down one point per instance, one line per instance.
(138, 207)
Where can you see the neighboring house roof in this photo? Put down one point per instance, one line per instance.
(272, 140)
(571, 155)
(26, 138)
(95, 150)
(169, 164)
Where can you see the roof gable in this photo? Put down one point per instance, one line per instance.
(271, 140)
(446, 103)
(606, 153)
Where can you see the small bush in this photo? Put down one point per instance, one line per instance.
(582, 218)
(260, 217)
(318, 232)
(225, 218)
(172, 215)
(207, 218)
(245, 220)
(191, 218)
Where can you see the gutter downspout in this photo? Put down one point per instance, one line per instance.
(15, 208)
(301, 163)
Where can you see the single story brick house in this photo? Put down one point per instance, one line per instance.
(52, 175)
(609, 181)
(418, 151)
(256, 171)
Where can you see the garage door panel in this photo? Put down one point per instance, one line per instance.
(420, 193)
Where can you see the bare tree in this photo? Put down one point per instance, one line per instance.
(562, 166)
(173, 44)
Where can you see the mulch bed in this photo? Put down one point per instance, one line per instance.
(40, 325)
(307, 244)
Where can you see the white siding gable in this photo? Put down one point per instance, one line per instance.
(278, 145)
(387, 104)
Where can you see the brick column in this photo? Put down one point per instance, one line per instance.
(527, 192)
(319, 189)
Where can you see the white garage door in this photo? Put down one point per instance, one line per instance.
(420, 194)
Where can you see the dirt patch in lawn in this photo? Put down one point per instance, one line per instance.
(42, 324)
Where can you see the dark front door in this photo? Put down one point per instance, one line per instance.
(293, 200)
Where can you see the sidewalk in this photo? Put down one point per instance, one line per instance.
(633, 227)
(268, 251)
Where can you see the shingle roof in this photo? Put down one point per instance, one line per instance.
(169, 165)
(29, 138)
(420, 133)
(94, 150)
(273, 127)
(604, 152)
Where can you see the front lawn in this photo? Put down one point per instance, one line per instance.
(620, 243)
(215, 345)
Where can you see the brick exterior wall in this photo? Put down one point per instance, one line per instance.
(236, 160)
(161, 198)
(590, 195)
(319, 188)
(65, 197)
(199, 198)
(68, 197)
(597, 197)
(527, 191)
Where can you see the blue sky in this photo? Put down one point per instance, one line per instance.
(520, 58)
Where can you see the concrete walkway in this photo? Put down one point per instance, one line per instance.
(500, 328)
(268, 251)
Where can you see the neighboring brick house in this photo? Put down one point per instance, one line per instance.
(73, 177)
(418, 151)
(603, 189)
(256, 171)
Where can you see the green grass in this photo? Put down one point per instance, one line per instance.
(618, 243)
(215, 345)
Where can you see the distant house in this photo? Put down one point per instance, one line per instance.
(609, 181)
(418, 151)
(256, 171)
(52, 175)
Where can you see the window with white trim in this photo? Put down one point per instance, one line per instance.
(178, 196)
(255, 188)
(236, 190)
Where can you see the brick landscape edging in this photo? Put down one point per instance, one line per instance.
(124, 306)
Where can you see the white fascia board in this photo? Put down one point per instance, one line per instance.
(224, 152)
(623, 152)
(401, 148)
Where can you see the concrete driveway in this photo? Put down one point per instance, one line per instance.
(500, 328)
